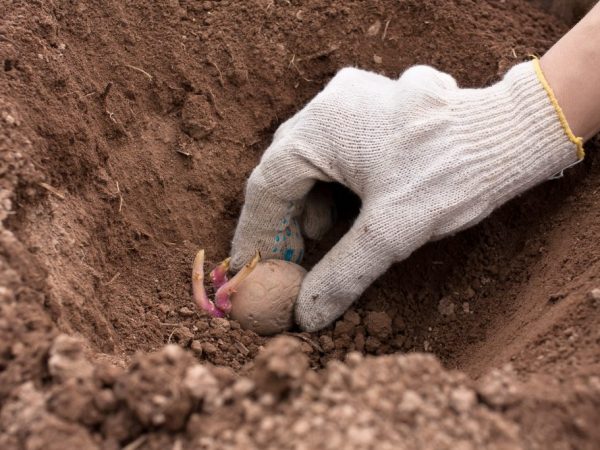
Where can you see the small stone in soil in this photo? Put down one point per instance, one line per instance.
(220, 325)
(186, 312)
(556, 297)
(594, 296)
(196, 347)
(202, 325)
(446, 306)
(183, 336)
(469, 293)
(209, 349)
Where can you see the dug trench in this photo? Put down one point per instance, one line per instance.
(127, 131)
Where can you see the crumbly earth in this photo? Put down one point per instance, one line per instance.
(127, 130)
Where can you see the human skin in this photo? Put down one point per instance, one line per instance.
(572, 69)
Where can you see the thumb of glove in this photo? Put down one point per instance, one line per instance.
(267, 224)
(341, 276)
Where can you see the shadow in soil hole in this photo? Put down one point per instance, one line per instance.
(444, 297)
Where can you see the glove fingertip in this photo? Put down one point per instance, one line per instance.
(235, 264)
(239, 259)
(312, 313)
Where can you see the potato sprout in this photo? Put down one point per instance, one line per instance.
(260, 297)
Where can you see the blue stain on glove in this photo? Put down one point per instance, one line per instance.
(287, 243)
(288, 254)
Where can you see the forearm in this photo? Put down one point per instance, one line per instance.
(572, 68)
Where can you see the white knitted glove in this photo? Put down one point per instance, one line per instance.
(427, 159)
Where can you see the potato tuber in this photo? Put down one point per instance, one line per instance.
(264, 301)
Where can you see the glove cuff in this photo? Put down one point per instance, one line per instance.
(519, 136)
(559, 112)
(545, 144)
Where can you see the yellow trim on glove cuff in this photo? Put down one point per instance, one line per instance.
(561, 116)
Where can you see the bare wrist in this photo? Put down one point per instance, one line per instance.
(571, 69)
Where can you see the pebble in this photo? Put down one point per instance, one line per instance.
(186, 312)
(556, 297)
(241, 348)
(8, 118)
(446, 306)
(353, 359)
(201, 383)
(243, 387)
(196, 347)
(301, 427)
(165, 309)
(462, 399)
(202, 325)
(594, 296)
(209, 349)
(173, 352)
(411, 402)
(105, 400)
(361, 436)
(497, 388)
(184, 335)
(220, 324)
(373, 30)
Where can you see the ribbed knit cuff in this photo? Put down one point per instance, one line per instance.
(561, 116)
(520, 130)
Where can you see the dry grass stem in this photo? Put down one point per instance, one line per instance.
(120, 197)
(221, 82)
(140, 70)
(385, 28)
(53, 190)
(117, 275)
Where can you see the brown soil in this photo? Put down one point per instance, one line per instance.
(127, 130)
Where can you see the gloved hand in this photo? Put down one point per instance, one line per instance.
(426, 158)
